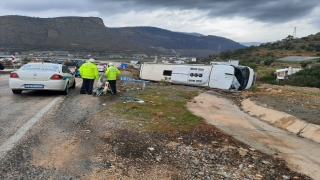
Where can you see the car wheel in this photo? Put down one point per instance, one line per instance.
(16, 91)
(74, 84)
(66, 90)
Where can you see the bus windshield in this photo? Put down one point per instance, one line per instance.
(242, 75)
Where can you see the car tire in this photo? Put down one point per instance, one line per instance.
(66, 90)
(16, 91)
(74, 84)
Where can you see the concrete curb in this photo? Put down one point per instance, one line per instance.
(6, 71)
(283, 120)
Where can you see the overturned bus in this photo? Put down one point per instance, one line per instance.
(225, 77)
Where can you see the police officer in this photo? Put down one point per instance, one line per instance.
(89, 72)
(111, 75)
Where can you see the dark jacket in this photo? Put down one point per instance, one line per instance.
(1, 67)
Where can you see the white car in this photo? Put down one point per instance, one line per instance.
(42, 76)
(101, 68)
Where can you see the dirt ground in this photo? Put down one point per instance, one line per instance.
(104, 147)
(301, 102)
(205, 152)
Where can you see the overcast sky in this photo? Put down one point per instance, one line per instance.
(238, 20)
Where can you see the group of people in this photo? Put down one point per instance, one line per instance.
(89, 73)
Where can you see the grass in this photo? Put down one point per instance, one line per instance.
(255, 88)
(164, 110)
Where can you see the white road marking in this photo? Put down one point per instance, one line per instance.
(78, 83)
(13, 140)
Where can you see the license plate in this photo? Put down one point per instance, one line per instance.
(34, 86)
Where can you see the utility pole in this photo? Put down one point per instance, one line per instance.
(294, 33)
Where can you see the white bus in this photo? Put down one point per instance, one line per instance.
(226, 77)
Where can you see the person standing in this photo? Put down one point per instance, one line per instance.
(111, 75)
(88, 72)
(1, 67)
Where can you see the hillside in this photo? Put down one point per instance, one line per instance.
(264, 59)
(165, 41)
(289, 46)
(63, 33)
(89, 34)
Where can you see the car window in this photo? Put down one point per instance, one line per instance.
(65, 69)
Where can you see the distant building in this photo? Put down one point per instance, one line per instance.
(284, 73)
(165, 61)
(38, 53)
(140, 56)
(230, 62)
(179, 62)
(47, 53)
(61, 53)
(115, 56)
(134, 62)
(4, 53)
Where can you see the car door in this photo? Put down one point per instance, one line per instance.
(68, 75)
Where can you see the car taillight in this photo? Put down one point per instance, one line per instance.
(14, 75)
(56, 77)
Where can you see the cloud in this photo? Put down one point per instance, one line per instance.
(269, 11)
(239, 20)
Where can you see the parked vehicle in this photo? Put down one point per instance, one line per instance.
(76, 69)
(42, 76)
(226, 77)
(101, 67)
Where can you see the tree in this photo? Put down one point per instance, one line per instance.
(268, 62)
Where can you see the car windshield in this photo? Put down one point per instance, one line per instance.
(242, 75)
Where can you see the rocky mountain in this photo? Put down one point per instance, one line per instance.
(248, 44)
(89, 34)
(62, 33)
(167, 41)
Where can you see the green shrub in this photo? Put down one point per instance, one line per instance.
(269, 78)
(268, 62)
(305, 78)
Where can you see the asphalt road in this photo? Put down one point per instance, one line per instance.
(16, 110)
(37, 121)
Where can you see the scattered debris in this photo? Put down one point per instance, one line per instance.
(158, 158)
(242, 151)
(86, 131)
(132, 99)
(151, 149)
(134, 80)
